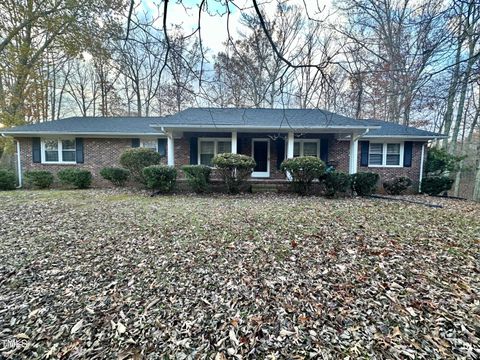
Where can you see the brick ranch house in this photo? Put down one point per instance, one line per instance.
(195, 135)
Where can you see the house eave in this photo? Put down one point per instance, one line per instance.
(253, 128)
(83, 133)
(406, 137)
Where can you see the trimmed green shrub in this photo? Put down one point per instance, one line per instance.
(135, 160)
(234, 169)
(303, 170)
(436, 185)
(335, 183)
(117, 176)
(198, 177)
(80, 179)
(160, 177)
(397, 185)
(440, 161)
(7, 180)
(41, 179)
(364, 183)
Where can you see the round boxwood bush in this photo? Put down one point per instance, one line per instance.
(397, 185)
(435, 185)
(7, 180)
(198, 177)
(235, 169)
(303, 170)
(135, 160)
(41, 179)
(80, 179)
(117, 176)
(160, 177)
(336, 183)
(364, 183)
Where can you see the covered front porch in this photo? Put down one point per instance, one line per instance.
(269, 149)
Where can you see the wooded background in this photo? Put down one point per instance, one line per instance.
(410, 62)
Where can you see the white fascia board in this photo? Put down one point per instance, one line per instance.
(251, 128)
(90, 134)
(415, 137)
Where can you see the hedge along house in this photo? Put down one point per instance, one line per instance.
(196, 135)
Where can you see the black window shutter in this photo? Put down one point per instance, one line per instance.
(324, 150)
(135, 142)
(280, 151)
(407, 153)
(162, 147)
(79, 150)
(364, 148)
(193, 151)
(36, 150)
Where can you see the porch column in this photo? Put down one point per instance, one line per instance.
(170, 150)
(352, 168)
(290, 145)
(234, 142)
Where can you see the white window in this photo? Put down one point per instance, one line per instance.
(149, 144)
(58, 151)
(384, 154)
(208, 148)
(306, 147)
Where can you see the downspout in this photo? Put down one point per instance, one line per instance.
(420, 178)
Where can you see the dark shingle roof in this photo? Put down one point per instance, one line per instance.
(219, 118)
(259, 118)
(91, 125)
(391, 129)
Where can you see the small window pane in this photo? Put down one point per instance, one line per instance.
(206, 159)
(68, 155)
(51, 145)
(224, 147)
(51, 155)
(376, 148)
(393, 148)
(375, 159)
(393, 159)
(309, 149)
(149, 144)
(207, 147)
(296, 149)
(68, 144)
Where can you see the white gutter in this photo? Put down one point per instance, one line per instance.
(19, 166)
(36, 133)
(422, 157)
(418, 137)
(258, 127)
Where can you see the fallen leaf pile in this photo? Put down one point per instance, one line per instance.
(110, 274)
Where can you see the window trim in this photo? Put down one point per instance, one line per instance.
(215, 146)
(59, 150)
(302, 141)
(384, 154)
(142, 140)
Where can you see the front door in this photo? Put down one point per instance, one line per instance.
(261, 155)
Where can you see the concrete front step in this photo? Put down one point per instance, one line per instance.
(257, 188)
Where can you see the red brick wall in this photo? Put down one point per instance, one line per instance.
(99, 153)
(412, 172)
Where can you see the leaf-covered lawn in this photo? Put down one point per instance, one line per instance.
(103, 274)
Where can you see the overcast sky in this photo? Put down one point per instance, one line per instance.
(214, 23)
